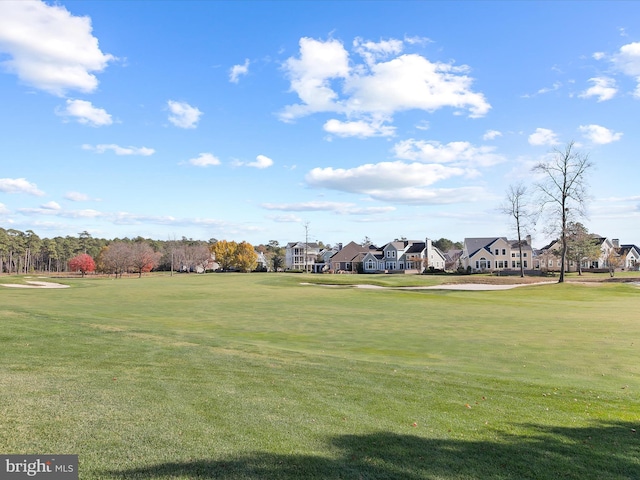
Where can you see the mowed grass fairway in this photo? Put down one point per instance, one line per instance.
(259, 376)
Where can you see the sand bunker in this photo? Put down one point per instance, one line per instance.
(33, 284)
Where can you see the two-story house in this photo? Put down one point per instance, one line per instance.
(407, 256)
(496, 254)
(301, 256)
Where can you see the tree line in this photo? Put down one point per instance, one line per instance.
(26, 252)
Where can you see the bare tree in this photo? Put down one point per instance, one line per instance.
(563, 189)
(516, 206)
(116, 258)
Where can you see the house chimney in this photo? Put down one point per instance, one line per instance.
(339, 246)
(528, 238)
(616, 242)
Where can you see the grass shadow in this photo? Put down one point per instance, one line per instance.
(604, 451)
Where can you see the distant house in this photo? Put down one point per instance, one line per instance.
(301, 256)
(406, 256)
(349, 258)
(262, 262)
(452, 260)
(489, 254)
(549, 258)
(630, 256)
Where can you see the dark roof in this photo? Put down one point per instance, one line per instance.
(475, 244)
(348, 252)
(416, 247)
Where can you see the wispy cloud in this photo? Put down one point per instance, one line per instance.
(118, 150)
(491, 134)
(459, 154)
(204, 160)
(261, 162)
(238, 70)
(543, 136)
(603, 88)
(359, 128)
(19, 185)
(343, 208)
(77, 197)
(599, 134)
(183, 115)
(84, 112)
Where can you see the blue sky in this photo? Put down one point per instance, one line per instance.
(249, 120)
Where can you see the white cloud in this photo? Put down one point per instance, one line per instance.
(604, 88)
(285, 218)
(84, 112)
(343, 208)
(412, 82)
(543, 136)
(237, 70)
(118, 150)
(427, 196)
(491, 134)
(600, 135)
(359, 128)
(371, 52)
(183, 115)
(51, 206)
(326, 79)
(315, 206)
(19, 185)
(310, 76)
(380, 176)
(47, 209)
(460, 154)
(628, 59)
(261, 162)
(205, 160)
(49, 48)
(77, 197)
(599, 55)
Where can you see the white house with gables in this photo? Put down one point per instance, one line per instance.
(406, 256)
(301, 256)
(496, 254)
(630, 255)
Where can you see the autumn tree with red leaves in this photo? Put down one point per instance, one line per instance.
(82, 263)
(143, 258)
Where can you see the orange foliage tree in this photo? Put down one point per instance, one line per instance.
(82, 263)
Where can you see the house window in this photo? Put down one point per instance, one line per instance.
(497, 251)
(513, 255)
(370, 265)
(525, 264)
(504, 251)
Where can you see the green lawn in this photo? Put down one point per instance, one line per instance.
(262, 376)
